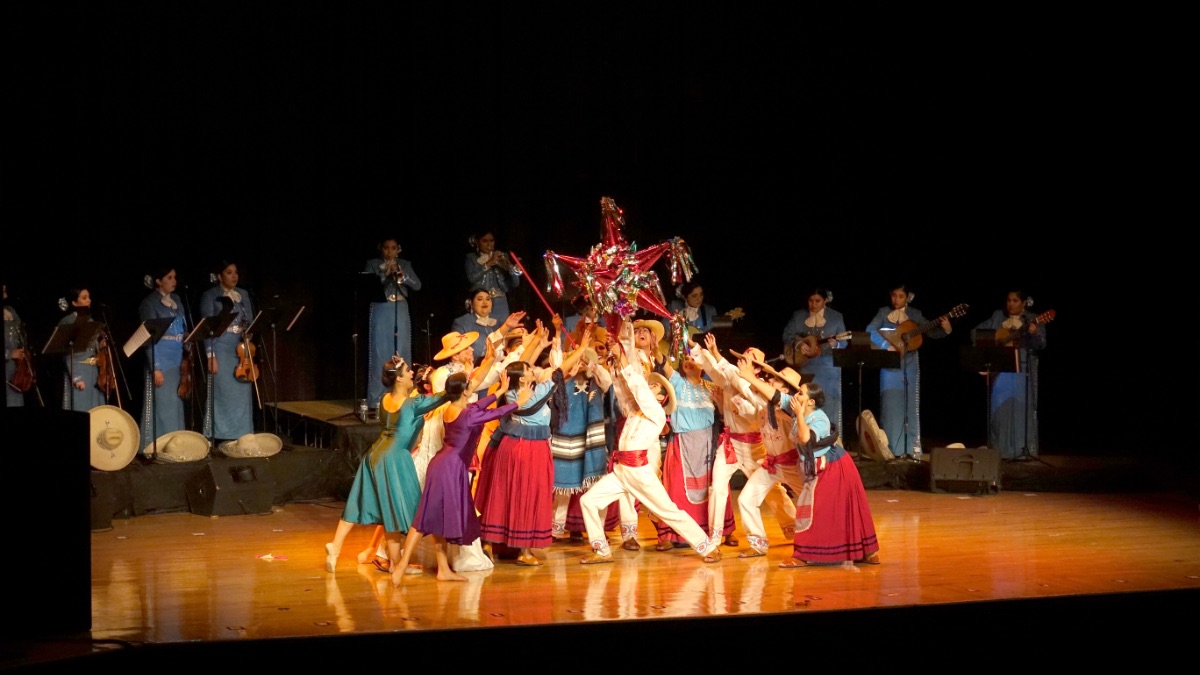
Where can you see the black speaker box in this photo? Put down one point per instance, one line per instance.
(975, 470)
(232, 487)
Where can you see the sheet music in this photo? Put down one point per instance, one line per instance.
(136, 340)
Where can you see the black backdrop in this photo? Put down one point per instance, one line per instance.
(963, 155)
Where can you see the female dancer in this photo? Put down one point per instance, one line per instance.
(447, 510)
(386, 489)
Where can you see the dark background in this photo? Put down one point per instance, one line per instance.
(963, 154)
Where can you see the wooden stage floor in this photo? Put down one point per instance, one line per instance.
(1066, 575)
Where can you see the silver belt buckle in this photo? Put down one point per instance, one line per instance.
(234, 329)
(495, 292)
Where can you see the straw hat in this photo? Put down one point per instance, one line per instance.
(753, 354)
(654, 326)
(178, 446)
(115, 437)
(455, 342)
(788, 375)
(252, 445)
(657, 378)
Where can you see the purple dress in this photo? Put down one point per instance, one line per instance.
(446, 507)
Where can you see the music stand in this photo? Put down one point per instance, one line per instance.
(860, 357)
(72, 338)
(273, 316)
(987, 358)
(150, 332)
(211, 328)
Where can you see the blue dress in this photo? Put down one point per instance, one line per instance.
(230, 405)
(386, 488)
(84, 364)
(822, 367)
(900, 388)
(495, 279)
(1013, 418)
(13, 339)
(447, 508)
(162, 408)
(390, 323)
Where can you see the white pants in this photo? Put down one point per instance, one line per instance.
(758, 488)
(642, 484)
(776, 498)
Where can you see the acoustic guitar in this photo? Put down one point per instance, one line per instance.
(909, 335)
(1005, 337)
(793, 354)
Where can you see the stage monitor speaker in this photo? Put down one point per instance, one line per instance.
(974, 470)
(232, 487)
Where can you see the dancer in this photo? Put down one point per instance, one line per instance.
(447, 511)
(386, 490)
(646, 400)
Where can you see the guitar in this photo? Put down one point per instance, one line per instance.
(795, 357)
(908, 336)
(1005, 337)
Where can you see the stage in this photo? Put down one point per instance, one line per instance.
(1063, 547)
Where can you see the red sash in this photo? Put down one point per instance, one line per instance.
(628, 458)
(789, 458)
(728, 437)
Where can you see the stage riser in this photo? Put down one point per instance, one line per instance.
(298, 473)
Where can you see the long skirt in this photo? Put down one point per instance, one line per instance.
(515, 494)
(837, 524)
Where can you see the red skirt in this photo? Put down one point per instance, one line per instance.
(515, 495)
(842, 528)
(673, 480)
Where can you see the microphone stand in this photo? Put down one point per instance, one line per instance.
(192, 352)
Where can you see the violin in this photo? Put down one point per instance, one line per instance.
(24, 377)
(185, 373)
(246, 371)
(106, 380)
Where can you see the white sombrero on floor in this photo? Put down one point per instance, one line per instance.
(115, 436)
(252, 445)
(178, 446)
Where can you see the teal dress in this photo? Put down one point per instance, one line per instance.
(386, 489)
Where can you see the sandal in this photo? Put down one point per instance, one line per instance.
(729, 540)
(382, 564)
(792, 563)
(750, 553)
(664, 545)
(714, 555)
(414, 570)
(872, 559)
(528, 561)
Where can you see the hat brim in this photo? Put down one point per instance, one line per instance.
(658, 378)
(113, 459)
(465, 340)
(805, 378)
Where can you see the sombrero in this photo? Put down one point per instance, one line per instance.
(787, 375)
(252, 445)
(453, 343)
(652, 325)
(657, 378)
(178, 446)
(115, 437)
(754, 354)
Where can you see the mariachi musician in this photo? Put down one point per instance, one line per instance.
(85, 368)
(233, 382)
(163, 381)
(16, 358)
(809, 339)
